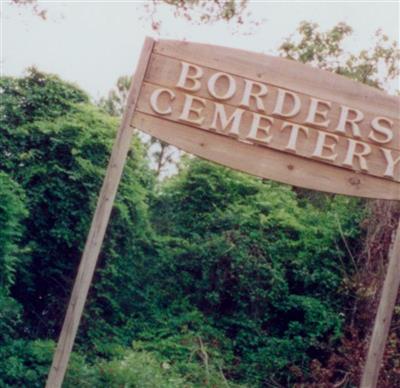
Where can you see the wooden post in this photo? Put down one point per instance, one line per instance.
(99, 225)
(383, 317)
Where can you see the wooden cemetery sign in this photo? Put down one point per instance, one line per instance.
(266, 116)
(272, 118)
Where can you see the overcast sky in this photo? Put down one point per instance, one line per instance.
(92, 43)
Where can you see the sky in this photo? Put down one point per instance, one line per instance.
(92, 43)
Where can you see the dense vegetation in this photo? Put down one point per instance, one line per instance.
(208, 278)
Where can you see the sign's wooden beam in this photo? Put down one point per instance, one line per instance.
(383, 317)
(98, 228)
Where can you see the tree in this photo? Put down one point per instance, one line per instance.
(262, 264)
(114, 104)
(56, 146)
(197, 11)
(163, 156)
(12, 212)
(201, 11)
(377, 67)
(42, 13)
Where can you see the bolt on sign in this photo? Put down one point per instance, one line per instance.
(266, 116)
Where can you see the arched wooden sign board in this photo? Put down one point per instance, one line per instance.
(268, 117)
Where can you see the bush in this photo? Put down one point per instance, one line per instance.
(264, 265)
(56, 146)
(27, 364)
(12, 211)
(138, 369)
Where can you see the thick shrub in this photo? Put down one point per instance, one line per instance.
(138, 369)
(266, 266)
(27, 364)
(12, 211)
(57, 146)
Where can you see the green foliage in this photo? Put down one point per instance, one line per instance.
(138, 369)
(161, 154)
(115, 102)
(56, 147)
(324, 50)
(12, 211)
(10, 318)
(26, 364)
(37, 96)
(184, 340)
(24, 100)
(265, 266)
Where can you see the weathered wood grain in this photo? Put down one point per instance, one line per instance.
(383, 317)
(165, 71)
(283, 73)
(305, 144)
(264, 162)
